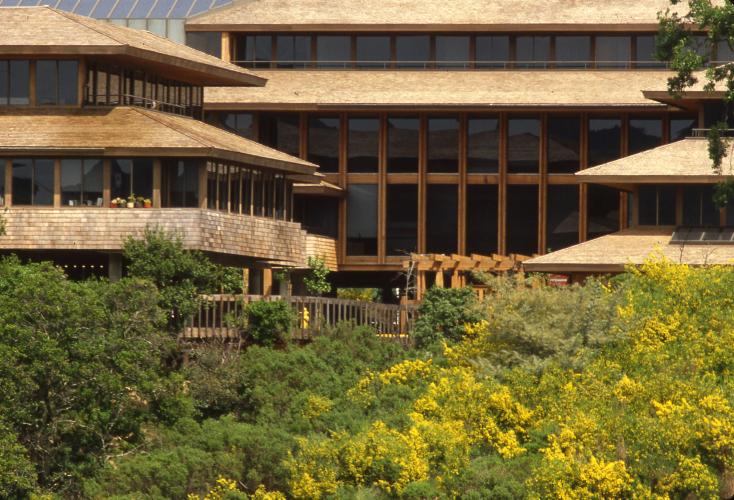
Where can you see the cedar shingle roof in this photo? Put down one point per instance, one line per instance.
(334, 88)
(389, 15)
(611, 253)
(129, 131)
(46, 31)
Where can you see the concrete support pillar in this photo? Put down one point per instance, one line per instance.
(114, 267)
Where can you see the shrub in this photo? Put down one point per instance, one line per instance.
(269, 322)
(443, 314)
(316, 281)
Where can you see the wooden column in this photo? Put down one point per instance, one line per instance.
(81, 81)
(543, 186)
(583, 214)
(382, 189)
(226, 47)
(203, 185)
(583, 211)
(8, 182)
(157, 177)
(502, 187)
(267, 282)
(106, 183)
(438, 283)
(245, 280)
(57, 183)
(422, 187)
(462, 182)
(32, 79)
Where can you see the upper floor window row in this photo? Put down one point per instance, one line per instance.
(55, 82)
(451, 51)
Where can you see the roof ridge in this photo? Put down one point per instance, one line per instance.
(148, 114)
(72, 17)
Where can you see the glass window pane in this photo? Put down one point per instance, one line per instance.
(452, 51)
(698, 206)
(603, 211)
(223, 187)
(293, 51)
(46, 83)
(402, 144)
(19, 82)
(443, 144)
(564, 144)
(680, 128)
(562, 226)
(92, 183)
(666, 205)
(71, 182)
(121, 178)
(481, 219)
(647, 201)
(242, 124)
(373, 51)
(362, 219)
(333, 51)
(604, 140)
(209, 42)
(483, 145)
(4, 82)
(492, 51)
(644, 133)
(441, 218)
(522, 218)
(612, 51)
(253, 51)
(532, 51)
(317, 214)
(68, 83)
(523, 149)
(22, 181)
(280, 131)
(364, 144)
(161, 8)
(43, 182)
(724, 52)
(413, 51)
(573, 51)
(323, 142)
(402, 219)
(143, 177)
(645, 53)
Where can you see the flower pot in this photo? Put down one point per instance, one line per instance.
(148, 205)
(130, 204)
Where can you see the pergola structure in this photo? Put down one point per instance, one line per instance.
(418, 265)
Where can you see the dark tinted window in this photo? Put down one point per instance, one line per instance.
(481, 219)
(532, 51)
(483, 145)
(724, 52)
(22, 182)
(412, 51)
(573, 51)
(46, 83)
(402, 145)
(280, 131)
(364, 144)
(242, 124)
(644, 133)
(33, 182)
(603, 211)
(680, 128)
(402, 219)
(323, 142)
(562, 224)
(523, 145)
(373, 51)
(293, 51)
(645, 52)
(4, 82)
(522, 219)
(698, 206)
(317, 214)
(656, 205)
(68, 74)
(19, 82)
(564, 144)
(81, 182)
(333, 51)
(492, 51)
(441, 218)
(443, 144)
(604, 140)
(43, 182)
(253, 51)
(612, 51)
(452, 51)
(362, 219)
(205, 41)
(183, 183)
(132, 177)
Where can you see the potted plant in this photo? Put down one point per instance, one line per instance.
(139, 201)
(147, 203)
(131, 201)
(113, 203)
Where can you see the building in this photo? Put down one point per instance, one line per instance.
(457, 128)
(100, 138)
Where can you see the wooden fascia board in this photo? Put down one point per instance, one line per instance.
(626, 182)
(576, 267)
(248, 27)
(438, 107)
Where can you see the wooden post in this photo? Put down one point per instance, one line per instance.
(203, 183)
(226, 47)
(439, 279)
(267, 282)
(245, 280)
(57, 183)
(106, 183)
(157, 176)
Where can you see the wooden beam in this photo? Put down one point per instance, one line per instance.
(267, 282)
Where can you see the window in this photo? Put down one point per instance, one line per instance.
(280, 131)
(241, 124)
(364, 145)
(452, 51)
(604, 140)
(523, 148)
(603, 211)
(522, 219)
(56, 83)
(362, 219)
(132, 177)
(317, 214)
(532, 51)
(33, 182)
(492, 51)
(402, 219)
(14, 82)
(373, 51)
(656, 205)
(209, 42)
(402, 144)
(564, 144)
(680, 128)
(481, 219)
(413, 51)
(644, 133)
(81, 182)
(323, 142)
(443, 145)
(441, 218)
(293, 51)
(483, 145)
(645, 53)
(573, 51)
(253, 51)
(333, 51)
(612, 51)
(182, 182)
(562, 224)
(698, 206)
(724, 52)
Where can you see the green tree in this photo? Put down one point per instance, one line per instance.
(316, 280)
(443, 314)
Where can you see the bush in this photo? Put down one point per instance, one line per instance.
(269, 322)
(443, 314)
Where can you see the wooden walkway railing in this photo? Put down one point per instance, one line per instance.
(313, 314)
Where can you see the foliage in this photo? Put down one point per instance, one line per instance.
(231, 279)
(363, 294)
(316, 280)
(443, 314)
(268, 322)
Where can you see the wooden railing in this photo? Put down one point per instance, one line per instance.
(213, 319)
